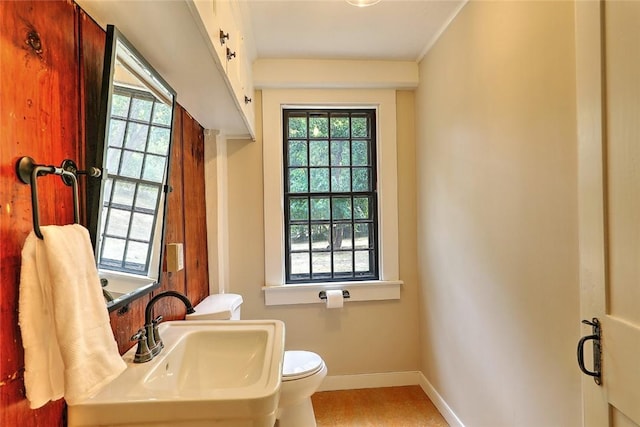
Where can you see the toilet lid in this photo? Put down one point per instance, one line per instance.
(300, 364)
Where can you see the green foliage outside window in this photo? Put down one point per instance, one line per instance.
(329, 187)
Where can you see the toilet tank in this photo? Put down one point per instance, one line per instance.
(218, 307)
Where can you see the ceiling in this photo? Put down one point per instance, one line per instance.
(395, 30)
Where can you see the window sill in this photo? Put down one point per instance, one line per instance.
(309, 293)
(124, 283)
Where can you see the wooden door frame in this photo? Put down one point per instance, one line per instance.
(591, 188)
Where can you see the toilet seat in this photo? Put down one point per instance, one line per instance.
(300, 364)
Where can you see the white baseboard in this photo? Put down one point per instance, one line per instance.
(451, 418)
(392, 379)
(384, 379)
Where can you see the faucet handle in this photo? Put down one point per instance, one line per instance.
(156, 334)
(139, 336)
(143, 354)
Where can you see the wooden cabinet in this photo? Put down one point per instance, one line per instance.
(225, 32)
(215, 17)
(246, 95)
(182, 40)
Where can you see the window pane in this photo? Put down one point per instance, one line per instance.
(359, 127)
(140, 109)
(340, 153)
(363, 236)
(120, 105)
(103, 221)
(136, 138)
(297, 153)
(360, 153)
(113, 160)
(159, 141)
(319, 208)
(108, 184)
(319, 126)
(320, 237)
(113, 251)
(340, 180)
(141, 226)
(361, 180)
(319, 153)
(162, 114)
(123, 193)
(299, 237)
(147, 197)
(362, 261)
(343, 262)
(116, 132)
(320, 263)
(340, 126)
(154, 168)
(361, 208)
(118, 224)
(131, 164)
(298, 180)
(297, 127)
(342, 236)
(300, 264)
(298, 209)
(341, 208)
(136, 258)
(319, 180)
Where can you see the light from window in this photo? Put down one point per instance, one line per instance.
(139, 136)
(330, 195)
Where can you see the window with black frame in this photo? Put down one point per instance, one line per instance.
(330, 195)
(139, 138)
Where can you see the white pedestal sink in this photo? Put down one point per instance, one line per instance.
(210, 373)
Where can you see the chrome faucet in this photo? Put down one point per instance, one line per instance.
(148, 337)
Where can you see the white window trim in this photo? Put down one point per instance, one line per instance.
(273, 102)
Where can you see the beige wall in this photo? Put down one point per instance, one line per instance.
(497, 215)
(363, 337)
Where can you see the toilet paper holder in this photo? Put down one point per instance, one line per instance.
(323, 294)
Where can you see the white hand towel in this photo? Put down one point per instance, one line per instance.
(68, 343)
(43, 376)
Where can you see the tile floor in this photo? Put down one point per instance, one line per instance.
(406, 406)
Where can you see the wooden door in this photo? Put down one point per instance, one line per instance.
(608, 101)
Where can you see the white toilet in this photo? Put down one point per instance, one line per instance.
(302, 371)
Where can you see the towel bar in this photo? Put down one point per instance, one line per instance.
(28, 172)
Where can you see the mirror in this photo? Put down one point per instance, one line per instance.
(126, 208)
